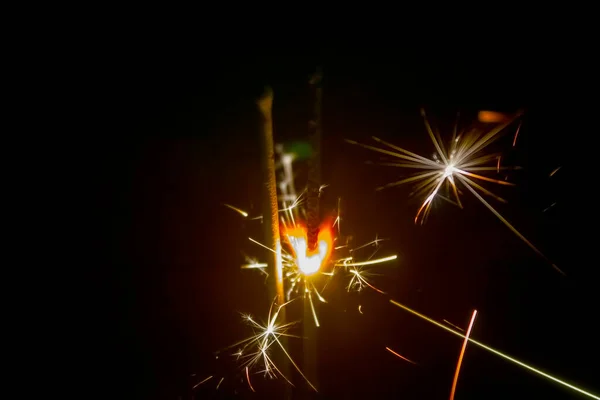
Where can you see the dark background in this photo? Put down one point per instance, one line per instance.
(178, 137)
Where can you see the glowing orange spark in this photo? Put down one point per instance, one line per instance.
(516, 134)
(398, 355)
(492, 117)
(462, 353)
(248, 379)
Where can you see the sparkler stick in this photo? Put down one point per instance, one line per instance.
(313, 222)
(270, 209)
(314, 171)
(496, 352)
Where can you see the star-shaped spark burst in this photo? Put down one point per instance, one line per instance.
(462, 162)
(256, 350)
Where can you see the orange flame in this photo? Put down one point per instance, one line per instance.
(310, 262)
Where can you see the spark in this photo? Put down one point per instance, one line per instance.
(359, 308)
(237, 210)
(256, 349)
(219, 384)
(347, 262)
(338, 220)
(254, 264)
(555, 171)
(549, 207)
(462, 163)
(202, 381)
(496, 352)
(248, 379)
(400, 356)
(516, 134)
(462, 354)
(455, 326)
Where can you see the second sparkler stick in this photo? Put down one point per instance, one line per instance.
(313, 222)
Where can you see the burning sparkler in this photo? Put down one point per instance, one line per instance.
(302, 269)
(462, 162)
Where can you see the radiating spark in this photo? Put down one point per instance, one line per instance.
(257, 348)
(555, 171)
(219, 384)
(347, 262)
(462, 354)
(398, 355)
(359, 308)
(248, 379)
(549, 207)
(496, 352)
(455, 326)
(461, 162)
(201, 382)
(239, 211)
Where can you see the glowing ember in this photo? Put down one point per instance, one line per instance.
(310, 262)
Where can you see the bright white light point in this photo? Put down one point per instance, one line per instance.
(308, 264)
(448, 171)
(269, 330)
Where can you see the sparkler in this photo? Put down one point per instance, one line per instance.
(462, 162)
(496, 352)
(302, 268)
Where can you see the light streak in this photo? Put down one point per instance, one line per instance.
(496, 352)
(516, 134)
(400, 356)
(237, 210)
(462, 354)
(202, 381)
